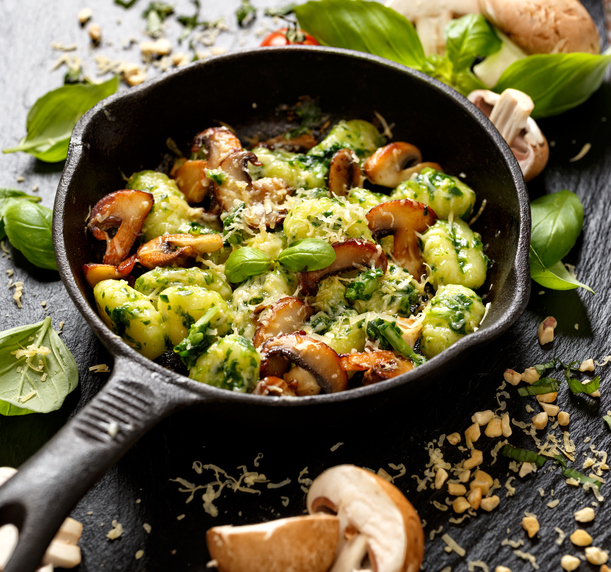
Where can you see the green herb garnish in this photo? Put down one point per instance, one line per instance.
(523, 455)
(245, 14)
(568, 473)
(198, 340)
(307, 254)
(390, 336)
(155, 14)
(246, 262)
(540, 387)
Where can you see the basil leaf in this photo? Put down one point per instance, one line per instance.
(28, 227)
(557, 220)
(37, 370)
(51, 119)
(556, 277)
(363, 26)
(155, 14)
(246, 262)
(540, 387)
(607, 420)
(469, 37)
(246, 14)
(572, 473)
(281, 10)
(523, 455)
(577, 387)
(126, 3)
(5, 197)
(307, 254)
(556, 82)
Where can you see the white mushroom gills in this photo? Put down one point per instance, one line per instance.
(511, 112)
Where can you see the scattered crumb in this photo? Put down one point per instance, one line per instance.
(180, 517)
(582, 153)
(147, 527)
(115, 531)
(20, 179)
(139, 554)
(100, 368)
(337, 445)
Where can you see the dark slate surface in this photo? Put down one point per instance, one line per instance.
(140, 490)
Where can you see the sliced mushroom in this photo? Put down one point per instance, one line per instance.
(298, 544)
(405, 219)
(217, 143)
(192, 180)
(510, 113)
(377, 365)
(313, 355)
(389, 166)
(301, 144)
(286, 316)
(125, 210)
(95, 273)
(301, 381)
(275, 386)
(344, 173)
(177, 249)
(376, 520)
(348, 255)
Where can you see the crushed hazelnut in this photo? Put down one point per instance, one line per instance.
(569, 563)
(481, 480)
(454, 438)
(506, 425)
(482, 417)
(546, 330)
(95, 33)
(580, 538)
(475, 498)
(540, 420)
(180, 59)
(547, 397)
(512, 377)
(502, 569)
(464, 476)
(530, 375)
(490, 503)
(457, 490)
(476, 459)
(587, 365)
(160, 47)
(586, 514)
(531, 525)
(440, 477)
(460, 505)
(550, 409)
(494, 428)
(84, 15)
(472, 433)
(595, 555)
(563, 418)
(526, 469)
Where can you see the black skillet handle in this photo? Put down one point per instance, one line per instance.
(50, 484)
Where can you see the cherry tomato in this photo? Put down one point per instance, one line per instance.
(286, 36)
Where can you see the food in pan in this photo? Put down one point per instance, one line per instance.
(276, 270)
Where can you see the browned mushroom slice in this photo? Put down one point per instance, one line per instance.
(125, 210)
(377, 365)
(301, 144)
(362, 361)
(192, 180)
(95, 273)
(237, 184)
(348, 255)
(312, 355)
(403, 218)
(344, 173)
(275, 386)
(217, 143)
(286, 316)
(177, 249)
(392, 164)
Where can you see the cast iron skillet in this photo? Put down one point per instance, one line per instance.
(128, 132)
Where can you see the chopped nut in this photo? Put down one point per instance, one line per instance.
(547, 397)
(595, 555)
(494, 428)
(551, 410)
(586, 514)
(581, 538)
(472, 433)
(512, 377)
(160, 47)
(531, 525)
(84, 15)
(460, 505)
(180, 59)
(546, 330)
(477, 458)
(454, 438)
(440, 477)
(526, 469)
(587, 365)
(457, 490)
(95, 33)
(540, 420)
(563, 418)
(464, 476)
(481, 480)
(502, 569)
(569, 563)
(483, 417)
(604, 568)
(490, 503)
(133, 75)
(506, 425)
(530, 375)
(475, 498)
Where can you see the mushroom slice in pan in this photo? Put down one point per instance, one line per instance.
(344, 173)
(95, 273)
(403, 218)
(192, 180)
(297, 544)
(125, 210)
(177, 249)
(286, 316)
(394, 163)
(312, 355)
(217, 143)
(510, 113)
(377, 365)
(275, 386)
(301, 144)
(376, 520)
(348, 255)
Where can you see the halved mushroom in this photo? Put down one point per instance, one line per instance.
(301, 144)
(95, 273)
(377, 365)
(125, 210)
(376, 520)
(286, 316)
(177, 249)
(405, 219)
(302, 382)
(344, 173)
(510, 113)
(298, 544)
(192, 180)
(275, 386)
(395, 163)
(312, 355)
(348, 255)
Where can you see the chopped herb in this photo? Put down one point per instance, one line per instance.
(540, 387)
(198, 339)
(190, 23)
(281, 10)
(155, 14)
(310, 115)
(246, 14)
(572, 473)
(577, 387)
(543, 367)
(607, 420)
(523, 455)
(126, 3)
(365, 285)
(389, 335)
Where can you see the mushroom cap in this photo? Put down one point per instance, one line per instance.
(376, 509)
(192, 180)
(95, 273)
(413, 9)
(392, 164)
(344, 172)
(298, 544)
(544, 27)
(286, 316)
(177, 249)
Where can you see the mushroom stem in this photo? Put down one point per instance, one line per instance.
(352, 554)
(511, 112)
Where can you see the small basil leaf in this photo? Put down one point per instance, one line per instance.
(557, 220)
(28, 227)
(469, 37)
(5, 197)
(607, 420)
(363, 26)
(38, 370)
(556, 277)
(307, 254)
(246, 262)
(51, 119)
(556, 82)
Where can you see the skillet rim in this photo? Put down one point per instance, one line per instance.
(121, 351)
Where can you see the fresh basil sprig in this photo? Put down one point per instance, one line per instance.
(28, 227)
(6, 195)
(38, 370)
(557, 220)
(523, 455)
(307, 254)
(246, 262)
(52, 118)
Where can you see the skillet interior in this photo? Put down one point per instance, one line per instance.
(128, 133)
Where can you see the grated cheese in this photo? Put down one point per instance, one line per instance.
(453, 545)
(278, 485)
(561, 536)
(479, 563)
(336, 446)
(529, 557)
(433, 533)
(100, 368)
(553, 504)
